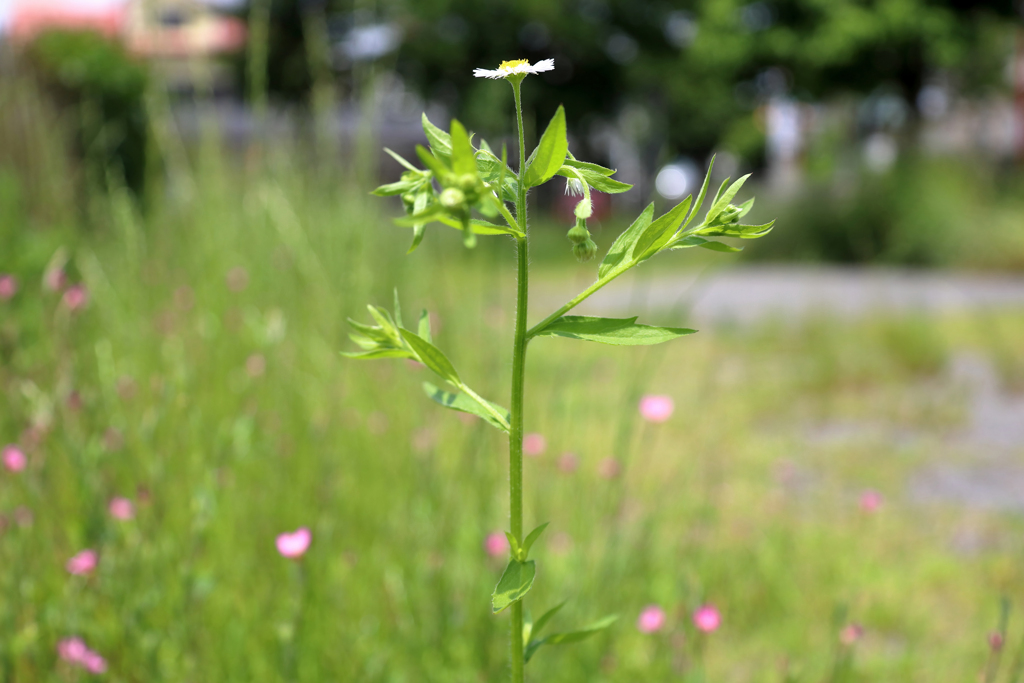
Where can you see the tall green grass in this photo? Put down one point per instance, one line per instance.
(226, 413)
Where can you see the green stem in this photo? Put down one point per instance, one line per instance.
(515, 440)
(574, 302)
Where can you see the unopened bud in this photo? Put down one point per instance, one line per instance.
(578, 234)
(585, 250)
(730, 214)
(452, 198)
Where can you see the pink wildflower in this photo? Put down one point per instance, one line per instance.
(870, 500)
(651, 619)
(82, 563)
(996, 641)
(850, 634)
(496, 544)
(121, 508)
(294, 544)
(655, 408)
(568, 463)
(55, 279)
(94, 663)
(609, 468)
(76, 297)
(8, 287)
(707, 618)
(534, 444)
(71, 650)
(14, 459)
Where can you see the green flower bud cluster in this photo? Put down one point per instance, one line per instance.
(583, 247)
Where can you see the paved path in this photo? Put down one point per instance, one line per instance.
(748, 294)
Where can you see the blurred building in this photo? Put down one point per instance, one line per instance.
(180, 37)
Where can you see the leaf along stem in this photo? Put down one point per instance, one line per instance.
(577, 300)
(515, 437)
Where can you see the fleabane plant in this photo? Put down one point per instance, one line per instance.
(471, 189)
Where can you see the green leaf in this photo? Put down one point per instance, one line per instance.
(398, 310)
(400, 159)
(747, 232)
(377, 353)
(391, 189)
(613, 331)
(532, 537)
(480, 227)
(424, 326)
(513, 544)
(570, 637)
(661, 231)
(463, 158)
(439, 141)
(622, 249)
(587, 166)
(595, 180)
(515, 582)
(431, 356)
(434, 212)
(701, 196)
(466, 404)
(539, 625)
(693, 241)
(723, 200)
(419, 229)
(550, 153)
(435, 164)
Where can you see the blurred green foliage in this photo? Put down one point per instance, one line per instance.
(101, 89)
(698, 68)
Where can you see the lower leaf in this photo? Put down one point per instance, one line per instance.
(515, 582)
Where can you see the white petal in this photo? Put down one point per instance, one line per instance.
(486, 73)
(543, 65)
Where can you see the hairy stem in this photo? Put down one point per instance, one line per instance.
(515, 439)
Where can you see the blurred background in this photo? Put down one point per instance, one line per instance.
(185, 225)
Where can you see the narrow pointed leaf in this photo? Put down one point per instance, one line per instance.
(463, 159)
(466, 404)
(377, 353)
(622, 249)
(532, 537)
(693, 241)
(479, 227)
(513, 544)
(539, 625)
(419, 229)
(550, 152)
(424, 326)
(587, 166)
(613, 331)
(400, 159)
(747, 232)
(431, 356)
(723, 201)
(515, 582)
(391, 189)
(700, 197)
(661, 231)
(439, 140)
(583, 633)
(435, 164)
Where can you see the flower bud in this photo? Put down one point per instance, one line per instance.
(585, 251)
(452, 198)
(579, 234)
(730, 214)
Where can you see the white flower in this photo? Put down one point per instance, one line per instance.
(516, 66)
(573, 187)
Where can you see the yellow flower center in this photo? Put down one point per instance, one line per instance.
(508, 66)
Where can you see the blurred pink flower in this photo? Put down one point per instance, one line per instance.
(496, 544)
(94, 663)
(656, 408)
(8, 287)
(568, 463)
(870, 500)
(256, 365)
(55, 279)
(609, 468)
(237, 279)
(534, 444)
(82, 563)
(651, 619)
(121, 508)
(850, 634)
(294, 544)
(996, 641)
(707, 618)
(76, 297)
(71, 650)
(14, 459)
